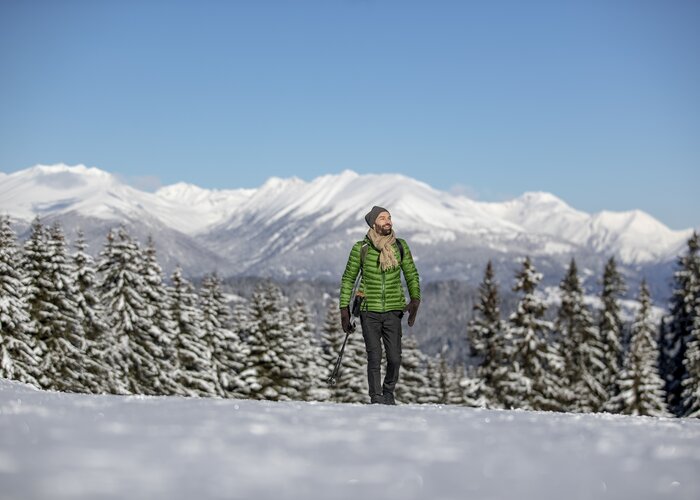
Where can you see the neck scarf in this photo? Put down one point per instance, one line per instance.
(385, 245)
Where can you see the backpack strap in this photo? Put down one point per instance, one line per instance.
(400, 245)
(363, 255)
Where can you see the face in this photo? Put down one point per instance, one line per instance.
(383, 224)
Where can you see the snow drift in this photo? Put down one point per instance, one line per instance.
(55, 445)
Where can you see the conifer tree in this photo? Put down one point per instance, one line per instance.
(102, 356)
(683, 314)
(691, 383)
(306, 354)
(196, 373)
(534, 365)
(610, 327)
(473, 390)
(581, 346)
(228, 352)
(640, 385)
(269, 336)
(121, 291)
(18, 361)
(444, 382)
(158, 308)
(351, 385)
(486, 338)
(51, 298)
(414, 386)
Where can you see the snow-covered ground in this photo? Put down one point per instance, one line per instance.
(77, 446)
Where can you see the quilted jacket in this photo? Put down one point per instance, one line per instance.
(383, 289)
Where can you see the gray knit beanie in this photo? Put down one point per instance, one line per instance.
(373, 214)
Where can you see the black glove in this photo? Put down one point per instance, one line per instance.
(345, 320)
(412, 309)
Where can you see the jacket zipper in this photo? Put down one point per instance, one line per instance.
(383, 300)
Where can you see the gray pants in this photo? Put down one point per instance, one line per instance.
(378, 328)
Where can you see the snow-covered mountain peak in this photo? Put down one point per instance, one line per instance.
(540, 198)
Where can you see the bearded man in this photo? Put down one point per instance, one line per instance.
(381, 258)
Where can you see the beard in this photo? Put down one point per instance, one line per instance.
(384, 230)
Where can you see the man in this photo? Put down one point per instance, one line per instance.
(384, 302)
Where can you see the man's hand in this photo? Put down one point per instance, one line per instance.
(345, 320)
(412, 309)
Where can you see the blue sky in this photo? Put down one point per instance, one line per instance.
(597, 102)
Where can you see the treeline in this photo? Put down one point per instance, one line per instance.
(113, 326)
(585, 361)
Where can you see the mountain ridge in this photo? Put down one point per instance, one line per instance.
(292, 228)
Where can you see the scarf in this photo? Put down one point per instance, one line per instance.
(385, 245)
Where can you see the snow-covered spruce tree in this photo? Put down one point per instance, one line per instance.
(581, 346)
(351, 385)
(683, 314)
(196, 372)
(228, 352)
(269, 336)
(531, 377)
(691, 383)
(243, 327)
(485, 334)
(307, 355)
(640, 385)
(122, 294)
(159, 311)
(51, 299)
(413, 386)
(610, 327)
(444, 382)
(473, 389)
(102, 356)
(18, 361)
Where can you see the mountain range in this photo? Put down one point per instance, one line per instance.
(302, 230)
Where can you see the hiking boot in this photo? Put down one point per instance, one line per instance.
(389, 398)
(377, 400)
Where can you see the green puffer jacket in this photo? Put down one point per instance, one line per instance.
(383, 289)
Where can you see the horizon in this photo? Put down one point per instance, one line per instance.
(594, 102)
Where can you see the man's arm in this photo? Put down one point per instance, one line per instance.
(349, 276)
(410, 273)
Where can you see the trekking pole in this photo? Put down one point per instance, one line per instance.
(333, 378)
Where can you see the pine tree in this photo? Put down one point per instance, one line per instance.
(691, 383)
(269, 336)
(102, 357)
(444, 382)
(51, 298)
(486, 338)
(610, 327)
(641, 386)
(413, 387)
(228, 352)
(196, 372)
(683, 314)
(158, 309)
(121, 291)
(531, 378)
(18, 361)
(351, 385)
(473, 390)
(307, 356)
(581, 346)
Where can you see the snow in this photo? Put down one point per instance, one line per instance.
(634, 236)
(55, 445)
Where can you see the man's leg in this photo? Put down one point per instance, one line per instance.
(391, 335)
(372, 333)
